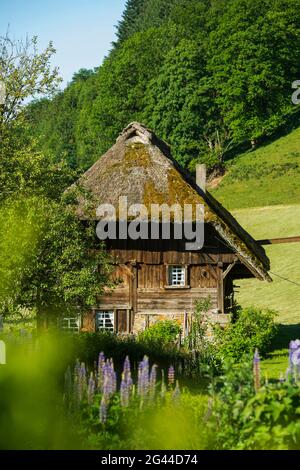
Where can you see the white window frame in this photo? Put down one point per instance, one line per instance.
(66, 324)
(103, 318)
(177, 276)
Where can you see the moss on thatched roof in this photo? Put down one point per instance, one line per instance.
(140, 166)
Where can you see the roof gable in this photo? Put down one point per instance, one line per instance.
(141, 166)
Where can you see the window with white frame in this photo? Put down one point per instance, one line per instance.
(177, 276)
(105, 320)
(70, 324)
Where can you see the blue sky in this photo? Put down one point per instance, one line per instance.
(81, 30)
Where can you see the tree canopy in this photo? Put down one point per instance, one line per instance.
(205, 74)
(46, 253)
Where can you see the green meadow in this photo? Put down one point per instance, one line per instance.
(267, 176)
(262, 189)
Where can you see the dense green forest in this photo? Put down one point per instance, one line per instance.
(206, 75)
(210, 77)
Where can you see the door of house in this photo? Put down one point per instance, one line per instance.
(122, 321)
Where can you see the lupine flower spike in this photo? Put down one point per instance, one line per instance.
(143, 379)
(171, 376)
(152, 383)
(126, 384)
(163, 385)
(91, 389)
(294, 360)
(103, 411)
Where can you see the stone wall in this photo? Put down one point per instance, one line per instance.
(143, 321)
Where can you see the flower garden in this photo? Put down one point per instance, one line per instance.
(105, 392)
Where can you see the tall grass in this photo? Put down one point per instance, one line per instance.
(31, 413)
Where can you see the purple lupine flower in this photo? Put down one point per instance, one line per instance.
(295, 358)
(126, 369)
(103, 411)
(77, 384)
(125, 390)
(143, 380)
(109, 388)
(91, 389)
(107, 385)
(256, 370)
(152, 382)
(139, 384)
(126, 384)
(171, 375)
(110, 379)
(113, 377)
(294, 367)
(296, 363)
(293, 346)
(100, 371)
(77, 369)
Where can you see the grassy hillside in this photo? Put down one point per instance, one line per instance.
(267, 176)
(282, 296)
(262, 189)
(272, 222)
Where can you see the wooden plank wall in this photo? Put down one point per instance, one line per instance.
(177, 300)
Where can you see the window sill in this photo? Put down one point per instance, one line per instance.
(177, 287)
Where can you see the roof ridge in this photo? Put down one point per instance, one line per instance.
(136, 129)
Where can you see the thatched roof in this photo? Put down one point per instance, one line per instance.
(140, 166)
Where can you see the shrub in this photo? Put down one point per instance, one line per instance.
(270, 419)
(163, 333)
(88, 345)
(229, 394)
(202, 354)
(196, 340)
(251, 329)
(247, 417)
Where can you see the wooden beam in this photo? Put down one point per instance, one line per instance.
(220, 288)
(229, 268)
(277, 241)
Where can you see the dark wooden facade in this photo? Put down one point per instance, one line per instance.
(144, 295)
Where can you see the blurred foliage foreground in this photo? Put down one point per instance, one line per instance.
(50, 400)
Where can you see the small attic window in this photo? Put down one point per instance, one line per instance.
(177, 276)
(71, 324)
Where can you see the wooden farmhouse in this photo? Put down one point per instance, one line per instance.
(161, 279)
